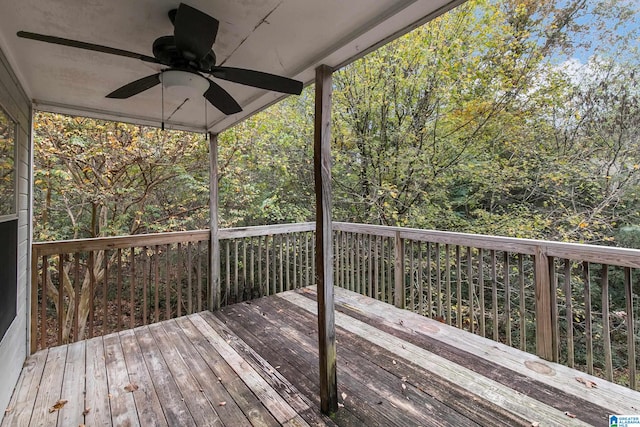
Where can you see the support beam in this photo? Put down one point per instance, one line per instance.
(214, 244)
(324, 253)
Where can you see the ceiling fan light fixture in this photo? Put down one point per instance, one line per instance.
(179, 78)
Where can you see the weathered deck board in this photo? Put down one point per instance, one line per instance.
(272, 400)
(73, 386)
(21, 405)
(121, 401)
(246, 400)
(96, 388)
(172, 401)
(365, 362)
(207, 383)
(482, 387)
(52, 379)
(145, 397)
(257, 364)
(518, 368)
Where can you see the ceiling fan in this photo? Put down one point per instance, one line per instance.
(188, 55)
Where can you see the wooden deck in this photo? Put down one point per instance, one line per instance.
(256, 364)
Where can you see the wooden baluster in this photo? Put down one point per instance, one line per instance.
(92, 284)
(376, 273)
(167, 282)
(76, 298)
(132, 290)
(179, 281)
(606, 331)
(523, 305)
(358, 259)
(236, 287)
(440, 312)
(119, 323)
(399, 288)
(199, 276)
(447, 267)
(267, 275)
(43, 302)
(569, 313)
(419, 279)
(587, 314)
(481, 303)
(190, 278)
(61, 315)
(274, 270)
(459, 320)
(412, 278)
(428, 308)
(287, 248)
(306, 259)
(352, 261)
(555, 328)
(507, 299)
(105, 285)
(145, 283)
(252, 271)
(246, 291)
(631, 347)
(262, 293)
(494, 295)
(156, 283)
(280, 264)
(471, 288)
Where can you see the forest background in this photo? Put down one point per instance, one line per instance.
(515, 118)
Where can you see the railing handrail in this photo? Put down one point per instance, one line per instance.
(118, 242)
(624, 257)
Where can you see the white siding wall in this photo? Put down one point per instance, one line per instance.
(14, 345)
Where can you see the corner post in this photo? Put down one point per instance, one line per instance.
(214, 243)
(324, 255)
(544, 328)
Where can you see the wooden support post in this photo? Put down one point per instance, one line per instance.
(544, 326)
(324, 255)
(399, 293)
(214, 244)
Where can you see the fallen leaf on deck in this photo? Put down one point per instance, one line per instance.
(393, 361)
(570, 415)
(344, 396)
(58, 405)
(222, 403)
(340, 405)
(86, 411)
(8, 410)
(587, 383)
(535, 424)
(131, 387)
(404, 387)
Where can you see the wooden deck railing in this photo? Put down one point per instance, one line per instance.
(570, 303)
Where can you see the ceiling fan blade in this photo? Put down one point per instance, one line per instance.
(85, 45)
(194, 32)
(220, 98)
(135, 87)
(258, 79)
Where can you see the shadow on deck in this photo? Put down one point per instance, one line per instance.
(255, 363)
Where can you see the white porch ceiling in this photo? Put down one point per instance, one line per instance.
(285, 37)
